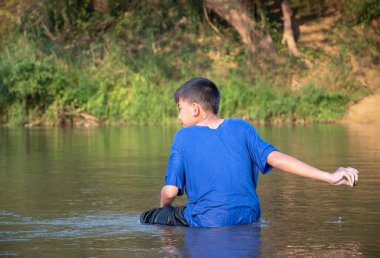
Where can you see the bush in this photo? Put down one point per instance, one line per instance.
(123, 67)
(264, 102)
(361, 11)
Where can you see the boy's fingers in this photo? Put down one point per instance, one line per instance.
(355, 173)
(354, 169)
(350, 176)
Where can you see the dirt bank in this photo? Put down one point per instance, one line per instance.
(320, 34)
(365, 111)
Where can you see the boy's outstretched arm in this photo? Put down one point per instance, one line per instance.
(168, 194)
(348, 176)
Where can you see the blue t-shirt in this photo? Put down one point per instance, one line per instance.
(218, 169)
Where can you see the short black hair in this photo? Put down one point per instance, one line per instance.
(201, 91)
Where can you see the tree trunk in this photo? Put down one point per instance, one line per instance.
(100, 6)
(288, 37)
(234, 13)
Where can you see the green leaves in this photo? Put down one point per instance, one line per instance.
(264, 102)
(360, 11)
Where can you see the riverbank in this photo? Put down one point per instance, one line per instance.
(125, 74)
(366, 111)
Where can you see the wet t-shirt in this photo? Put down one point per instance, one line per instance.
(218, 169)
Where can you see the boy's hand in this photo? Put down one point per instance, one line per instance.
(348, 176)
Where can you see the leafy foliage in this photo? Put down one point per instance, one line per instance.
(361, 11)
(122, 60)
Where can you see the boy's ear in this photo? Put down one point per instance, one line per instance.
(196, 109)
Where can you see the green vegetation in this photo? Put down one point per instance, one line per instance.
(123, 63)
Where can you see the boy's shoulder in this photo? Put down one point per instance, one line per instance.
(239, 121)
(231, 128)
(232, 123)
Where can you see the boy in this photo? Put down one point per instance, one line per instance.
(216, 161)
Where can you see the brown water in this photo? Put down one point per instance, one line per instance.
(78, 193)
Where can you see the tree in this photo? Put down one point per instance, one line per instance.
(288, 35)
(238, 17)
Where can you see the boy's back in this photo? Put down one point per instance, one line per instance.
(219, 168)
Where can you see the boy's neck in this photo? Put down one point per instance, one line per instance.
(211, 120)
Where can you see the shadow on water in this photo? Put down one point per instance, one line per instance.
(236, 241)
(233, 241)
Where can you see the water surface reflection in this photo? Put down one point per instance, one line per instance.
(78, 193)
(235, 241)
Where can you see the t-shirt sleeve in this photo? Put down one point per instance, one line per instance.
(175, 174)
(259, 150)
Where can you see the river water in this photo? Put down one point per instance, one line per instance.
(79, 193)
